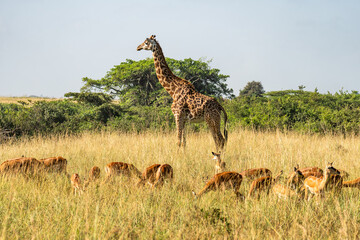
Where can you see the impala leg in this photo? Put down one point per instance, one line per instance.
(151, 184)
(205, 190)
(237, 186)
(107, 178)
(159, 182)
(306, 194)
(240, 196)
(258, 194)
(268, 187)
(310, 195)
(251, 191)
(140, 183)
(236, 191)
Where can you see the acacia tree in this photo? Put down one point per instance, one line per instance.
(253, 89)
(135, 82)
(132, 82)
(205, 79)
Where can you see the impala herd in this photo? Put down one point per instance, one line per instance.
(301, 183)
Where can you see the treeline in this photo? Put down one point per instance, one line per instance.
(130, 98)
(297, 110)
(69, 116)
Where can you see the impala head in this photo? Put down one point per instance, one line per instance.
(216, 156)
(75, 178)
(330, 169)
(149, 44)
(135, 171)
(194, 194)
(296, 179)
(240, 197)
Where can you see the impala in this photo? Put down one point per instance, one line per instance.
(121, 168)
(165, 171)
(317, 172)
(149, 175)
(55, 164)
(283, 192)
(311, 171)
(262, 184)
(224, 180)
(32, 165)
(94, 174)
(296, 178)
(254, 173)
(343, 174)
(317, 186)
(292, 187)
(156, 174)
(219, 165)
(76, 184)
(353, 184)
(336, 183)
(23, 165)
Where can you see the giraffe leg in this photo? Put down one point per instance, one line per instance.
(183, 135)
(213, 122)
(179, 115)
(180, 125)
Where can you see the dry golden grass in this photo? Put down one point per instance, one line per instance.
(27, 100)
(39, 208)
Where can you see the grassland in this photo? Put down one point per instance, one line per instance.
(27, 100)
(46, 209)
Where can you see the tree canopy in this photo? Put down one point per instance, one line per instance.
(135, 82)
(253, 89)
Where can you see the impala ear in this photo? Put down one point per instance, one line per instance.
(213, 153)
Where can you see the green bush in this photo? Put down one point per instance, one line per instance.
(308, 112)
(301, 111)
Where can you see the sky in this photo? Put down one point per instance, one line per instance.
(47, 47)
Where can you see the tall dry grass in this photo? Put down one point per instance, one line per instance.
(28, 100)
(46, 208)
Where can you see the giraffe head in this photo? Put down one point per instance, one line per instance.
(148, 44)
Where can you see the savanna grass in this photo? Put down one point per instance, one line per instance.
(45, 208)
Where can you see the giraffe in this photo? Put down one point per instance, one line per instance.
(188, 104)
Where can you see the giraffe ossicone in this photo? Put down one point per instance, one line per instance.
(188, 104)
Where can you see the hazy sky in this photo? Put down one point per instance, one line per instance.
(47, 47)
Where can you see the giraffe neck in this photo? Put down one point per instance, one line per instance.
(166, 78)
